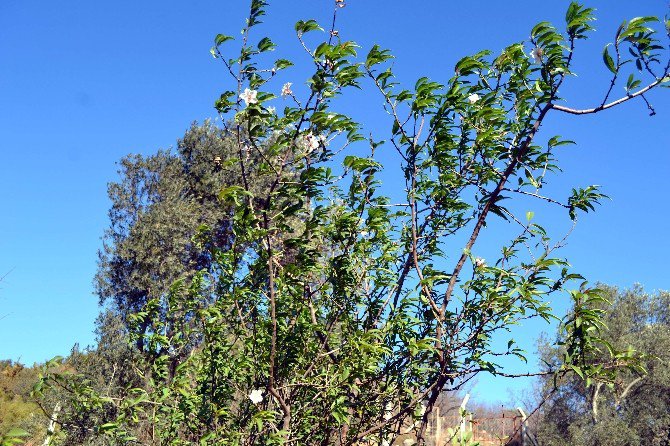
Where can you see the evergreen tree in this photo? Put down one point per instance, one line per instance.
(631, 409)
(162, 206)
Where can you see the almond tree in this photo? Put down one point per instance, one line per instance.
(342, 314)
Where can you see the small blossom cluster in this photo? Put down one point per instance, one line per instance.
(249, 96)
(256, 396)
(311, 142)
(536, 54)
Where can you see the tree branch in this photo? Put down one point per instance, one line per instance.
(587, 111)
(627, 390)
(594, 402)
(491, 201)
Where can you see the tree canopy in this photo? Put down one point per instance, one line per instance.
(312, 306)
(161, 205)
(630, 410)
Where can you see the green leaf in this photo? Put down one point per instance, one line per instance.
(376, 56)
(302, 27)
(578, 371)
(234, 194)
(280, 64)
(13, 437)
(632, 83)
(16, 432)
(107, 427)
(266, 45)
(609, 62)
(225, 102)
(556, 141)
(584, 199)
(220, 38)
(577, 18)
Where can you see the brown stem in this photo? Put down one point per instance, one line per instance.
(492, 199)
(273, 343)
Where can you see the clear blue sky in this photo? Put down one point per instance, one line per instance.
(84, 83)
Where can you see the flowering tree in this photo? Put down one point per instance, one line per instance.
(341, 314)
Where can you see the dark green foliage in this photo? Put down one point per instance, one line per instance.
(634, 409)
(159, 206)
(167, 218)
(110, 370)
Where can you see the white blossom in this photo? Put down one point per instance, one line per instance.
(312, 142)
(480, 263)
(256, 396)
(388, 411)
(249, 96)
(286, 89)
(474, 97)
(536, 54)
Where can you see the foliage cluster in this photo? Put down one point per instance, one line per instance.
(632, 409)
(275, 292)
(18, 413)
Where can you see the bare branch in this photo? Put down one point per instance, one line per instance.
(586, 111)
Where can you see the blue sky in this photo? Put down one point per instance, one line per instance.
(84, 83)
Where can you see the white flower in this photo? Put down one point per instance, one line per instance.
(420, 410)
(536, 54)
(474, 97)
(311, 142)
(286, 89)
(388, 411)
(249, 96)
(479, 262)
(272, 110)
(256, 396)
